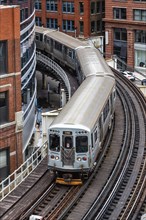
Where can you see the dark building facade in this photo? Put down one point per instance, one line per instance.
(125, 27)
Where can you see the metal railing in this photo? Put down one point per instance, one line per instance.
(19, 175)
(59, 71)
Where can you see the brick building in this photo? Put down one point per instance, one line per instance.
(76, 18)
(17, 82)
(123, 21)
(10, 91)
(125, 28)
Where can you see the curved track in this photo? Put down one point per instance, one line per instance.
(116, 189)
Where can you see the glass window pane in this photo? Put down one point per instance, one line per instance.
(81, 144)
(68, 142)
(54, 142)
(3, 57)
(3, 159)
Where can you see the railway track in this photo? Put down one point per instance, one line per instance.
(116, 188)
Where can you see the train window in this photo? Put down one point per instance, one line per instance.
(81, 144)
(106, 111)
(58, 46)
(70, 53)
(68, 143)
(54, 142)
(45, 39)
(39, 37)
(95, 136)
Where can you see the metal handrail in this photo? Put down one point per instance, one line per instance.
(19, 175)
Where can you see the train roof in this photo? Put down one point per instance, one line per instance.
(43, 30)
(92, 62)
(61, 37)
(86, 104)
(64, 39)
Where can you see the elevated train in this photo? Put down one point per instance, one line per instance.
(75, 137)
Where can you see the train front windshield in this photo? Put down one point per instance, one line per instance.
(54, 140)
(81, 144)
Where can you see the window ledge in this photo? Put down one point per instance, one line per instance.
(7, 124)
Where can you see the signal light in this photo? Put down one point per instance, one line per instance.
(84, 158)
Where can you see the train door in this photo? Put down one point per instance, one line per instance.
(67, 149)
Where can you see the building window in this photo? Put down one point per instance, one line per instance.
(140, 58)
(38, 5)
(139, 15)
(120, 43)
(3, 107)
(81, 23)
(4, 163)
(103, 6)
(52, 23)
(93, 26)
(51, 5)
(3, 57)
(120, 34)
(119, 13)
(38, 21)
(99, 25)
(23, 14)
(81, 7)
(68, 7)
(93, 10)
(68, 25)
(98, 7)
(140, 36)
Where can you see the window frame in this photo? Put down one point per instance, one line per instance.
(140, 15)
(4, 108)
(118, 13)
(3, 57)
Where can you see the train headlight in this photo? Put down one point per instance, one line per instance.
(52, 157)
(57, 158)
(79, 158)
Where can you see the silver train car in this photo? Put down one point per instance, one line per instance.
(75, 137)
(59, 46)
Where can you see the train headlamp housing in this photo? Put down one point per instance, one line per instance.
(82, 158)
(52, 157)
(79, 158)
